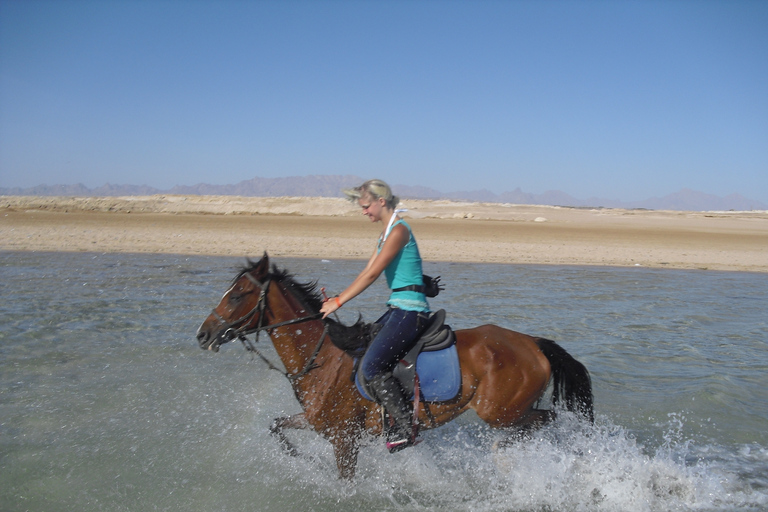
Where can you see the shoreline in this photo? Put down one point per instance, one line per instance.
(332, 228)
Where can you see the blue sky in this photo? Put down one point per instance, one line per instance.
(623, 100)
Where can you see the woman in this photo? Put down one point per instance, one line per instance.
(397, 255)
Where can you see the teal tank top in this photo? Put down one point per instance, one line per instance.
(405, 270)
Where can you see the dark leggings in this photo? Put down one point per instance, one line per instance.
(399, 333)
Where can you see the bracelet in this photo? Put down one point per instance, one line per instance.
(338, 302)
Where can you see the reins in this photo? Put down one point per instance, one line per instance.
(241, 333)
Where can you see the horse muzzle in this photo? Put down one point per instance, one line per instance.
(208, 341)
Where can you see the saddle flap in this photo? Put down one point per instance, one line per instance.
(438, 335)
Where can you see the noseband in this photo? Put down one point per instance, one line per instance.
(231, 331)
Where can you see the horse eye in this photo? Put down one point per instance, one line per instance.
(237, 295)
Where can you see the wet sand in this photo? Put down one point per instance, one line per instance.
(332, 228)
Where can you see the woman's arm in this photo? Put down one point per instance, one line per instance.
(394, 243)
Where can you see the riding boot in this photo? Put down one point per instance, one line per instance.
(390, 395)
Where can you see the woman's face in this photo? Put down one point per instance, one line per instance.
(372, 208)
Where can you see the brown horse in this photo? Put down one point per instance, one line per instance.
(503, 373)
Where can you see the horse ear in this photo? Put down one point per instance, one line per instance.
(263, 266)
(260, 267)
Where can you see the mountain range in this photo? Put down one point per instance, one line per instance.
(331, 185)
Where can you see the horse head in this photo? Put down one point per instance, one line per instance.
(240, 309)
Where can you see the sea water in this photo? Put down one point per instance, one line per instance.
(107, 403)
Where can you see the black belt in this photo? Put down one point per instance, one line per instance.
(412, 288)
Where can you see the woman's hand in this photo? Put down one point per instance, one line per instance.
(330, 305)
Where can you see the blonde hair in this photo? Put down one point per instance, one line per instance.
(376, 189)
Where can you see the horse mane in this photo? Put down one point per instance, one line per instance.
(306, 292)
(349, 338)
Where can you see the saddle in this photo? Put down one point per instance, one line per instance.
(436, 337)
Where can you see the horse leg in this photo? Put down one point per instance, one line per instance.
(297, 421)
(345, 448)
(346, 445)
(523, 429)
(536, 419)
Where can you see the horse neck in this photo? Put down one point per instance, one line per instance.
(294, 343)
(326, 386)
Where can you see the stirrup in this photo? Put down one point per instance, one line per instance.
(399, 439)
(402, 444)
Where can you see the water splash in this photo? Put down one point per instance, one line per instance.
(568, 465)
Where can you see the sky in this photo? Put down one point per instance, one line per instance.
(624, 100)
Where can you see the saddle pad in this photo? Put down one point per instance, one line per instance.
(439, 375)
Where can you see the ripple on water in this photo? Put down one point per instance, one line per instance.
(107, 403)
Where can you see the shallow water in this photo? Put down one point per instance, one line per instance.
(106, 403)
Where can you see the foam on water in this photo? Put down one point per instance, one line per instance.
(565, 466)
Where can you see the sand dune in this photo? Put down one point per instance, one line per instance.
(333, 228)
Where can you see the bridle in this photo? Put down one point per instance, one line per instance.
(232, 331)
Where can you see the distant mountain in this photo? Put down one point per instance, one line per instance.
(306, 186)
(687, 199)
(80, 190)
(330, 186)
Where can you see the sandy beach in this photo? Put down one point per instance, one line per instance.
(332, 228)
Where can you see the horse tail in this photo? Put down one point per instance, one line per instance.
(571, 380)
